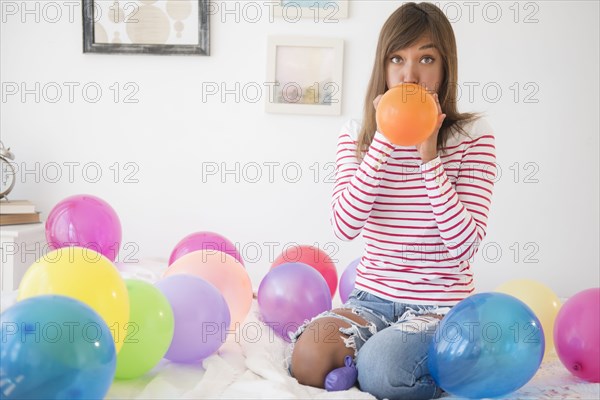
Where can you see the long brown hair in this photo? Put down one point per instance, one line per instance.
(404, 27)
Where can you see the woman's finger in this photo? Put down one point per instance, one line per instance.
(376, 101)
(437, 101)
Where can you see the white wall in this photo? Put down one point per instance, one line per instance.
(171, 132)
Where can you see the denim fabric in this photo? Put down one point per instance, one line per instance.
(392, 364)
(391, 349)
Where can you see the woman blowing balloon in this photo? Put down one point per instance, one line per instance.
(422, 210)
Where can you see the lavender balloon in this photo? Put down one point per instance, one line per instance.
(85, 221)
(347, 280)
(290, 294)
(201, 317)
(204, 241)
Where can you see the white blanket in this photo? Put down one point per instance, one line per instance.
(252, 366)
(245, 370)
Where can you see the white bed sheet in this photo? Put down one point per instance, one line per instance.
(253, 367)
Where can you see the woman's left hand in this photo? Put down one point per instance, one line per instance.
(428, 149)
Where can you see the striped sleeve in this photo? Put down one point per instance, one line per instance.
(356, 184)
(461, 210)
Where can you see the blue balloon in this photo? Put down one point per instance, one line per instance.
(488, 345)
(55, 347)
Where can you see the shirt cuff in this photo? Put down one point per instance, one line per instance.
(431, 166)
(432, 172)
(382, 149)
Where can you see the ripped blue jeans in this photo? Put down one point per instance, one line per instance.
(390, 351)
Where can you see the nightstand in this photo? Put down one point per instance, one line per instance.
(20, 246)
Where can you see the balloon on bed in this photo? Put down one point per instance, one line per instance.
(577, 334)
(201, 317)
(86, 221)
(313, 257)
(225, 273)
(347, 280)
(488, 345)
(290, 294)
(149, 330)
(55, 347)
(204, 241)
(542, 301)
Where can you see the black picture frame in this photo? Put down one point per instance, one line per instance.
(200, 49)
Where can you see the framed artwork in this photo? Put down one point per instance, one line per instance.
(304, 75)
(318, 10)
(146, 27)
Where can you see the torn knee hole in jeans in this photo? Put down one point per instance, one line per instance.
(354, 331)
(363, 332)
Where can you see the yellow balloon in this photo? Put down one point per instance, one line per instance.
(85, 275)
(542, 301)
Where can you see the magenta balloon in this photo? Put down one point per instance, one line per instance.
(290, 294)
(347, 280)
(577, 334)
(85, 221)
(204, 241)
(201, 317)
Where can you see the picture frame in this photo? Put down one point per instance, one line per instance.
(136, 27)
(304, 75)
(318, 10)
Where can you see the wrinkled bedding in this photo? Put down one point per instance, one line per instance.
(252, 366)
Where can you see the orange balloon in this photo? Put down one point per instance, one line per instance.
(225, 273)
(407, 114)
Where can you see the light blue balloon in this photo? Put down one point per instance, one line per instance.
(55, 347)
(488, 345)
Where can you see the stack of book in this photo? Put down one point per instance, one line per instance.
(13, 212)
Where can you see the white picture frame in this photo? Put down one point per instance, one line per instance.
(304, 75)
(319, 10)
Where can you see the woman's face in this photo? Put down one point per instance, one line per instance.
(420, 63)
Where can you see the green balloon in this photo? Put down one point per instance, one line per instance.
(149, 331)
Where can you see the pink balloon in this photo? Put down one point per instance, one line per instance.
(204, 241)
(222, 271)
(577, 335)
(84, 221)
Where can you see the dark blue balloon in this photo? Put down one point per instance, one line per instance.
(488, 345)
(55, 347)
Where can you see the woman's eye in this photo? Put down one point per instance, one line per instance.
(395, 60)
(427, 59)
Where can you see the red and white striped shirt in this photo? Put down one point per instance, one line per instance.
(421, 223)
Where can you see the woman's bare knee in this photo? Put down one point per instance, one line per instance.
(319, 350)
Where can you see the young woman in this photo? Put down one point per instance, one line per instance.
(422, 212)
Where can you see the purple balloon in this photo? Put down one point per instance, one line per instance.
(201, 317)
(290, 294)
(85, 221)
(347, 280)
(204, 241)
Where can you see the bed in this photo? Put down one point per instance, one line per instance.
(252, 366)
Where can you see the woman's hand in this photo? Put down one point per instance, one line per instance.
(428, 149)
(375, 104)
